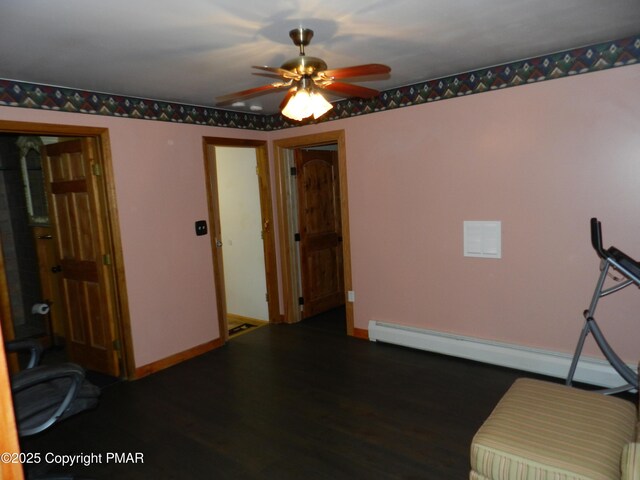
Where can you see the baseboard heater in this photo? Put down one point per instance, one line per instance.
(590, 370)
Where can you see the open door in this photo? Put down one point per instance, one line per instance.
(263, 184)
(77, 212)
(320, 231)
(284, 152)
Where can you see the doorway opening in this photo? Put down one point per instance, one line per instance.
(243, 244)
(25, 231)
(314, 203)
(61, 271)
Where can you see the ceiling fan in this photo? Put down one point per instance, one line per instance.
(304, 77)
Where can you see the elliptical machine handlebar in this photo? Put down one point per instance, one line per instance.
(622, 262)
(596, 238)
(629, 268)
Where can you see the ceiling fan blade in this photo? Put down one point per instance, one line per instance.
(251, 91)
(348, 90)
(356, 71)
(280, 71)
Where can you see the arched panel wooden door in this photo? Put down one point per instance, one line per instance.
(320, 225)
(76, 205)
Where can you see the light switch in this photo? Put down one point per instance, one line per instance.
(483, 239)
(201, 227)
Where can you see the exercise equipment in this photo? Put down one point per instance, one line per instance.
(46, 394)
(630, 270)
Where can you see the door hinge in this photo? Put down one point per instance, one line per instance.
(296, 237)
(117, 347)
(294, 171)
(300, 300)
(266, 297)
(106, 259)
(96, 169)
(257, 170)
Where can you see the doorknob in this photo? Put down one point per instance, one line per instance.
(56, 269)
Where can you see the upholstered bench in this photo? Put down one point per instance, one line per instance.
(541, 430)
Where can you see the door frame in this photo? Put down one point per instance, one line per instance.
(111, 222)
(266, 213)
(288, 255)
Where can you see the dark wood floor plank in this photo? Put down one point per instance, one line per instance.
(290, 402)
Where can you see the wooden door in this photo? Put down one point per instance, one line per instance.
(50, 286)
(76, 204)
(320, 230)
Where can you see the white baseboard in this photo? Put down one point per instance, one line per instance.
(590, 370)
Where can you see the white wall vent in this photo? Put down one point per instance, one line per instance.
(483, 239)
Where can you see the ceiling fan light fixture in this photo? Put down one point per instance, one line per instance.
(305, 77)
(305, 103)
(319, 105)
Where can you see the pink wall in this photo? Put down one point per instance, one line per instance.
(541, 158)
(161, 192)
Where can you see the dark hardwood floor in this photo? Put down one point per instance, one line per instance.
(289, 402)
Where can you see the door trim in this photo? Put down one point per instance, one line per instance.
(9, 441)
(290, 288)
(112, 227)
(6, 317)
(266, 211)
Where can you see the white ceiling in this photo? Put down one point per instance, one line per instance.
(191, 51)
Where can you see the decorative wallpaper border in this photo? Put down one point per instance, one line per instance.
(594, 58)
(548, 67)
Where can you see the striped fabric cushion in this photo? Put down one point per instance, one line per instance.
(543, 431)
(630, 462)
(473, 475)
